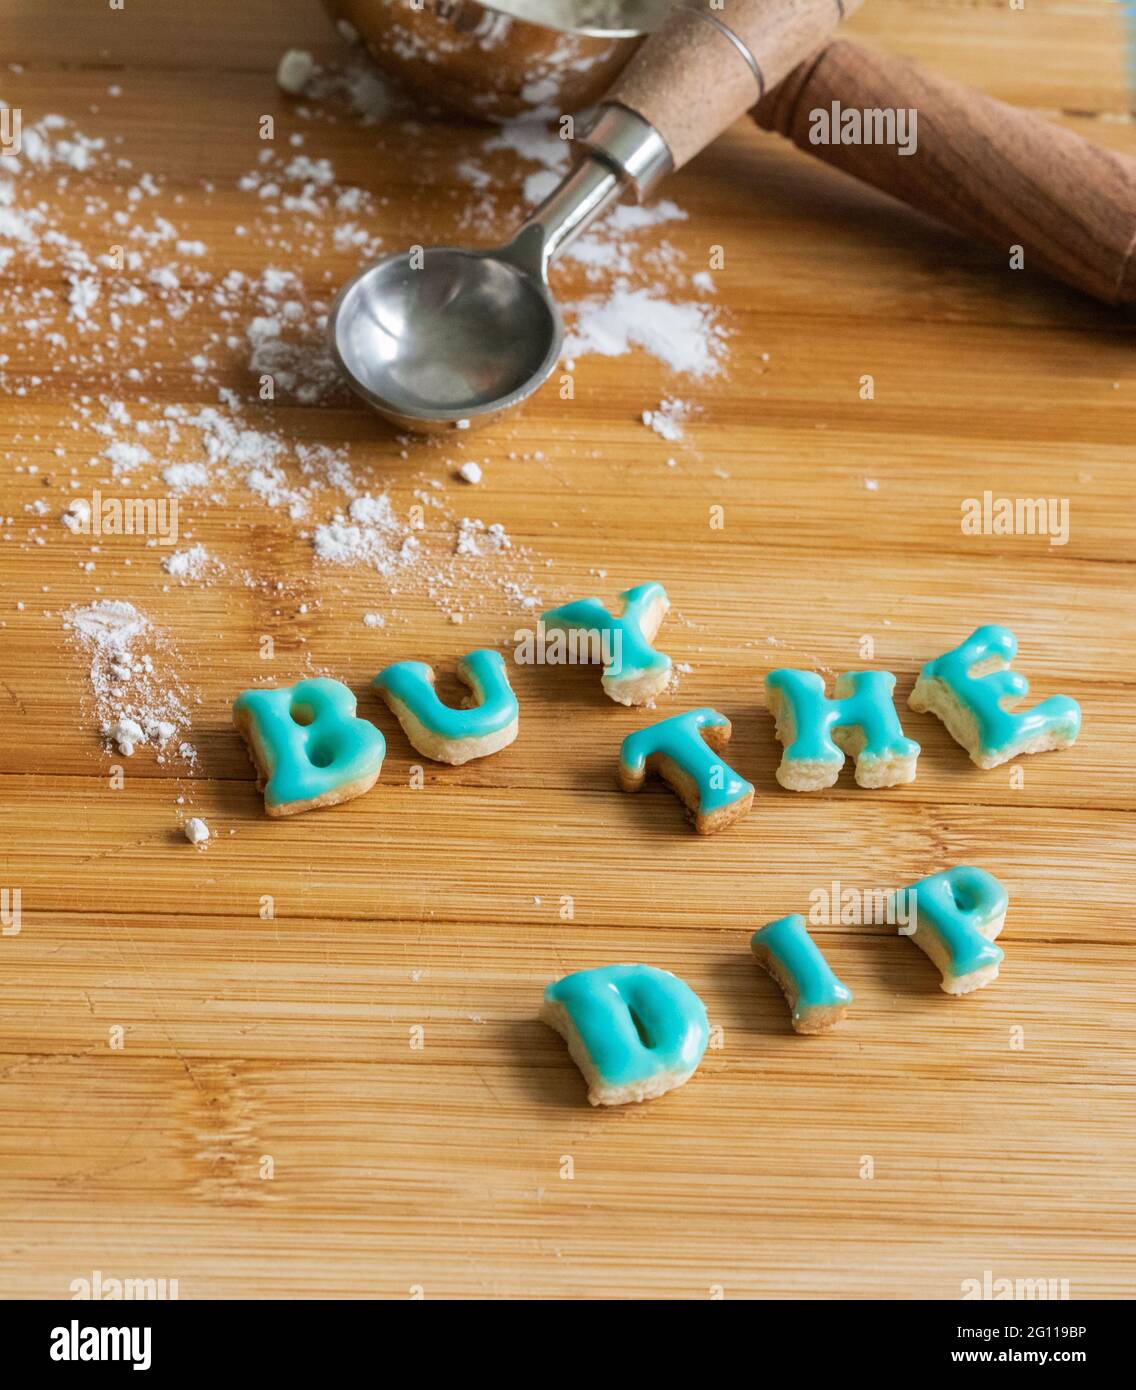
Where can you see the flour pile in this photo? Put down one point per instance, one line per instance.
(136, 702)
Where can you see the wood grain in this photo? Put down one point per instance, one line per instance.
(440, 1168)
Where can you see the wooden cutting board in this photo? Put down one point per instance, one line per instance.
(192, 1092)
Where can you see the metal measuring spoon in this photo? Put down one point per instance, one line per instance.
(447, 338)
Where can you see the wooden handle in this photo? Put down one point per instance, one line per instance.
(990, 170)
(691, 79)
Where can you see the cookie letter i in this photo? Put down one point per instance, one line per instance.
(633, 671)
(635, 1032)
(685, 751)
(957, 915)
(308, 747)
(816, 998)
(453, 735)
(966, 689)
(816, 732)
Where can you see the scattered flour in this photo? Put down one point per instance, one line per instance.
(686, 336)
(667, 421)
(297, 68)
(196, 831)
(134, 704)
(187, 565)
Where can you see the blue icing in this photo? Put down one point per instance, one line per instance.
(411, 683)
(679, 739)
(329, 749)
(868, 706)
(803, 962)
(604, 1004)
(982, 695)
(955, 905)
(626, 651)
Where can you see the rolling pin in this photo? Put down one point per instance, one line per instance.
(989, 170)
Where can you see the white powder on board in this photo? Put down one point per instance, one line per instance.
(667, 421)
(196, 831)
(188, 565)
(686, 336)
(135, 704)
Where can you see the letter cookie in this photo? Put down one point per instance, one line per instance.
(635, 1032)
(633, 670)
(966, 688)
(486, 724)
(685, 751)
(308, 747)
(816, 998)
(816, 732)
(958, 914)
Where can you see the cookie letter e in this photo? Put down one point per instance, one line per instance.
(966, 689)
(635, 1032)
(308, 747)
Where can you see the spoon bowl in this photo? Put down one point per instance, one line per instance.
(446, 338)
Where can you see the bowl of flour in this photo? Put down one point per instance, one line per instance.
(503, 59)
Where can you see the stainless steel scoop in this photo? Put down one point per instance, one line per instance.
(445, 338)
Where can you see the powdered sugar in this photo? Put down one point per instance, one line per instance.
(686, 336)
(135, 703)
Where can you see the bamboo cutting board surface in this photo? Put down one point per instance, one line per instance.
(266, 1127)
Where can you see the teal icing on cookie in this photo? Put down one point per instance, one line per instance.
(634, 1021)
(625, 650)
(310, 739)
(982, 694)
(679, 740)
(412, 684)
(806, 718)
(802, 961)
(960, 906)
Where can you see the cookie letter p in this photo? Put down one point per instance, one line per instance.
(635, 1032)
(958, 913)
(308, 747)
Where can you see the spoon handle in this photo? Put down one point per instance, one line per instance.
(710, 62)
